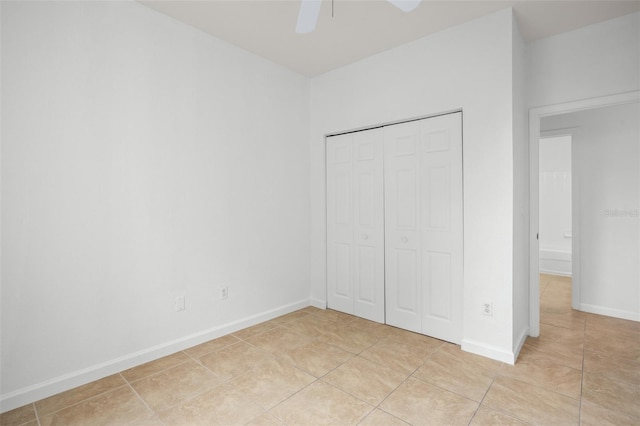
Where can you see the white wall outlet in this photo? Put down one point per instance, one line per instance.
(224, 292)
(487, 308)
(179, 303)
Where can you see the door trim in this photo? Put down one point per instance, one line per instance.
(535, 115)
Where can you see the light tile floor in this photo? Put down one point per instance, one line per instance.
(316, 367)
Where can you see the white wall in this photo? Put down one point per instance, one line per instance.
(606, 164)
(598, 60)
(141, 160)
(468, 67)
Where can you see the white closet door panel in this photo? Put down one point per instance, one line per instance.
(369, 225)
(402, 243)
(441, 226)
(340, 223)
(355, 224)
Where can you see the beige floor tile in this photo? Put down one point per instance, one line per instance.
(612, 394)
(350, 338)
(615, 367)
(398, 334)
(222, 405)
(597, 415)
(175, 385)
(489, 417)
(417, 402)
(467, 375)
(278, 340)
(265, 420)
(30, 423)
(371, 326)
(556, 297)
(81, 393)
(543, 286)
(382, 418)
(610, 323)
(311, 310)
(365, 380)
(335, 316)
(531, 404)
(405, 355)
(312, 326)
(547, 277)
(317, 358)
(572, 319)
(306, 327)
(255, 330)
(321, 404)
(561, 285)
(18, 416)
(118, 407)
(234, 360)
(623, 343)
(555, 352)
(374, 329)
(212, 345)
(546, 374)
(156, 366)
(555, 306)
(567, 336)
(272, 382)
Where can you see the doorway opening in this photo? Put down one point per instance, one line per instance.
(555, 205)
(605, 233)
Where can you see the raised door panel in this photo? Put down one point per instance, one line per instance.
(355, 228)
(402, 245)
(340, 223)
(441, 226)
(369, 225)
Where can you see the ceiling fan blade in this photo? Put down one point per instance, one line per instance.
(308, 16)
(405, 5)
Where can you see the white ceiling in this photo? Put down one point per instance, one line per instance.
(360, 28)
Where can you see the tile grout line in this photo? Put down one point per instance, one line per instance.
(493, 380)
(135, 392)
(403, 382)
(35, 411)
(499, 410)
(288, 398)
(82, 400)
(584, 347)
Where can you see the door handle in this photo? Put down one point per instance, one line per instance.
(404, 240)
(365, 237)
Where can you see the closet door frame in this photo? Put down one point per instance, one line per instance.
(456, 266)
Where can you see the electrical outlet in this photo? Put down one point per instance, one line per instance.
(487, 308)
(179, 303)
(224, 292)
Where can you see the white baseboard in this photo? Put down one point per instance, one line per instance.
(520, 343)
(616, 313)
(488, 351)
(36, 392)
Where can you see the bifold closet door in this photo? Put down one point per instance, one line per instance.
(355, 224)
(423, 226)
